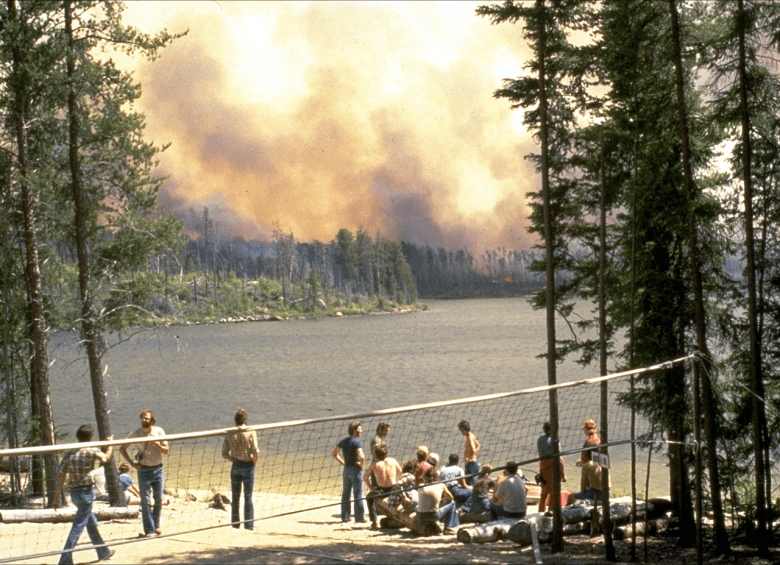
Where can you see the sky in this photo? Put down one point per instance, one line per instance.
(317, 116)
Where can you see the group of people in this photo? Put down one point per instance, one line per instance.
(77, 467)
(591, 474)
(435, 495)
(419, 486)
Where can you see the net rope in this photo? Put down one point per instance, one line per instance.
(296, 473)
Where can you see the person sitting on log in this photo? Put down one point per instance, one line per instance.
(422, 464)
(509, 500)
(432, 507)
(403, 493)
(590, 483)
(454, 477)
(380, 477)
(478, 502)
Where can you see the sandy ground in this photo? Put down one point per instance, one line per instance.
(319, 537)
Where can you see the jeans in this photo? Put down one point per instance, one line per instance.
(371, 498)
(84, 518)
(151, 481)
(497, 511)
(242, 473)
(446, 514)
(589, 493)
(472, 468)
(353, 483)
(459, 493)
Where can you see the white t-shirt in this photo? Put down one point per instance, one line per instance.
(512, 491)
(150, 455)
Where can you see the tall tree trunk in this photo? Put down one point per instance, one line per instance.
(89, 327)
(721, 536)
(609, 546)
(39, 364)
(756, 372)
(557, 545)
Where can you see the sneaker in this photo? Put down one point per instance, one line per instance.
(111, 553)
(449, 531)
(374, 526)
(158, 531)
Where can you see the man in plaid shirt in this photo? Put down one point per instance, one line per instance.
(77, 464)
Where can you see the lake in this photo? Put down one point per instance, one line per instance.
(194, 377)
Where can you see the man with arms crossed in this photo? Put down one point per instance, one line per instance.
(150, 471)
(78, 463)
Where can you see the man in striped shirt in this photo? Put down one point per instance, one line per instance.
(76, 465)
(240, 448)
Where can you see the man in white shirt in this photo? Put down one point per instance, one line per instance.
(509, 500)
(454, 477)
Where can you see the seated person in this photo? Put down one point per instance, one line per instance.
(422, 464)
(432, 505)
(479, 500)
(403, 495)
(380, 477)
(509, 500)
(99, 484)
(454, 477)
(590, 481)
(131, 492)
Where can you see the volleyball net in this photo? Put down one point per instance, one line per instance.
(296, 472)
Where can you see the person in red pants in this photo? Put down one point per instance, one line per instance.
(544, 447)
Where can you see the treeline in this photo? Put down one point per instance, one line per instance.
(357, 265)
(658, 124)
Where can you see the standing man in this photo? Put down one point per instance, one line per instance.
(545, 450)
(470, 452)
(349, 453)
(77, 464)
(509, 500)
(148, 462)
(240, 448)
(382, 429)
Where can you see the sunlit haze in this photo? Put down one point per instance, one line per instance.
(327, 115)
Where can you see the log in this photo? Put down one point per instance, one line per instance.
(49, 515)
(485, 533)
(653, 527)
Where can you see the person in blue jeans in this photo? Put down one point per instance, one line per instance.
(349, 453)
(240, 448)
(77, 465)
(436, 503)
(151, 478)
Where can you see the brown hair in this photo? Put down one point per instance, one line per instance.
(241, 417)
(353, 426)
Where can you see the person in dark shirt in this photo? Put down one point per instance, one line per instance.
(349, 453)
